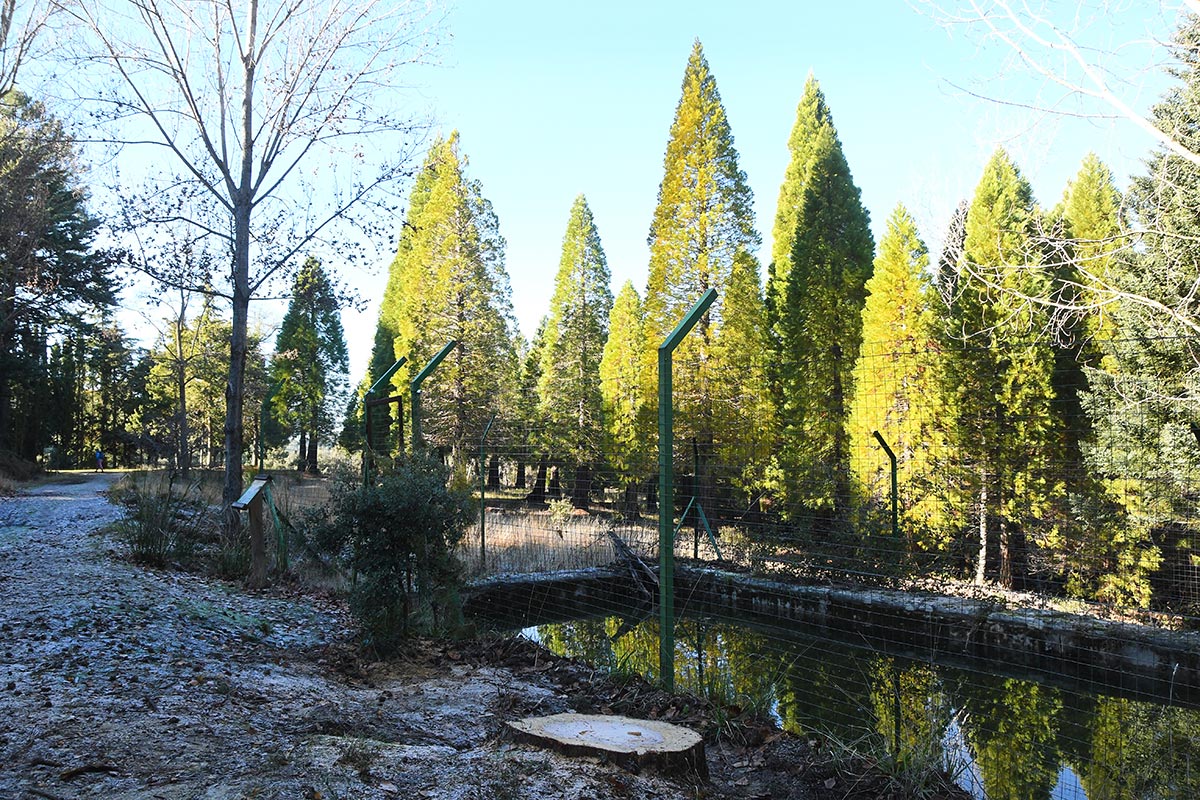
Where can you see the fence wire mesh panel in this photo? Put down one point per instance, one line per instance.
(980, 560)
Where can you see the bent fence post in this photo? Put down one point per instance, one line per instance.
(666, 491)
(895, 485)
(415, 392)
(367, 409)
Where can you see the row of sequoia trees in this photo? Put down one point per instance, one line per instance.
(1044, 433)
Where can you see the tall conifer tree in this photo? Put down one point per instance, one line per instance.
(574, 338)
(1146, 398)
(310, 362)
(448, 282)
(627, 416)
(821, 259)
(703, 226)
(896, 382)
(1000, 379)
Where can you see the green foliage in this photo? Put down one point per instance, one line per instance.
(999, 381)
(573, 343)
(1144, 398)
(628, 416)
(402, 532)
(821, 260)
(308, 370)
(701, 237)
(53, 283)
(448, 282)
(896, 389)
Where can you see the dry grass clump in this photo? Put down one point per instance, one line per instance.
(14, 469)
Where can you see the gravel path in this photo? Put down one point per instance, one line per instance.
(117, 681)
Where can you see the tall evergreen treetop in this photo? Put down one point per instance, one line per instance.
(448, 281)
(701, 236)
(575, 334)
(812, 114)
(823, 253)
(704, 215)
(895, 380)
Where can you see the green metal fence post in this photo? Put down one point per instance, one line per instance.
(482, 489)
(666, 492)
(415, 390)
(895, 485)
(367, 416)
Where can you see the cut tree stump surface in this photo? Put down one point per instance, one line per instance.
(632, 743)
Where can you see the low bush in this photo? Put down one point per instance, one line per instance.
(16, 468)
(399, 535)
(164, 523)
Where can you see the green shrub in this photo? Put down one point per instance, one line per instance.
(162, 525)
(400, 535)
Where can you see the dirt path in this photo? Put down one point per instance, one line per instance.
(116, 681)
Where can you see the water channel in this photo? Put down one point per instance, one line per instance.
(1006, 738)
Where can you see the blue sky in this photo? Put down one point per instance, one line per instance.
(555, 98)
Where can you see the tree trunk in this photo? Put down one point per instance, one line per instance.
(652, 494)
(520, 484)
(537, 495)
(235, 387)
(311, 462)
(493, 476)
(582, 488)
(302, 451)
(981, 556)
(629, 505)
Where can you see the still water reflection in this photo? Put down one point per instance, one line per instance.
(1007, 739)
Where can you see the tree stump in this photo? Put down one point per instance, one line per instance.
(631, 743)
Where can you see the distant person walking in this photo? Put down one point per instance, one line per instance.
(100, 460)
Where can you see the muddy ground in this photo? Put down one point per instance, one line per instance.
(120, 681)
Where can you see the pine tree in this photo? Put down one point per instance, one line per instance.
(574, 339)
(628, 423)
(702, 229)
(896, 383)
(999, 379)
(50, 275)
(310, 363)
(1145, 399)
(821, 259)
(448, 282)
(1091, 207)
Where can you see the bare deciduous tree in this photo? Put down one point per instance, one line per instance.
(1090, 60)
(269, 126)
(20, 30)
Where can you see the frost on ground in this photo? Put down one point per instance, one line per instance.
(117, 681)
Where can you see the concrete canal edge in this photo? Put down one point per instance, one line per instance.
(1067, 650)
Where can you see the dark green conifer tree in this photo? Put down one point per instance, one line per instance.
(1145, 399)
(573, 344)
(821, 260)
(310, 363)
(703, 228)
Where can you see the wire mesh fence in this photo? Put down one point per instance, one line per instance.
(983, 560)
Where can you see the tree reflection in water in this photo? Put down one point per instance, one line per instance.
(1014, 739)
